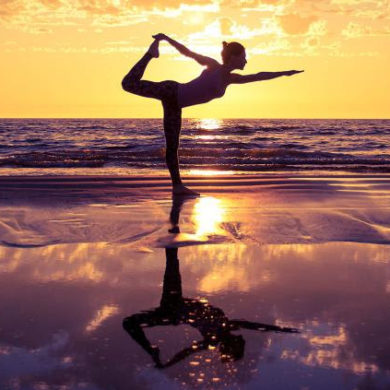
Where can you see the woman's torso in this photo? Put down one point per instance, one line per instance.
(210, 84)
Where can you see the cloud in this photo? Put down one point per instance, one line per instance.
(296, 24)
(268, 27)
(284, 27)
(312, 42)
(255, 3)
(9, 8)
(356, 30)
(33, 13)
(318, 28)
(280, 46)
(51, 4)
(101, 7)
(310, 45)
(187, 14)
(226, 25)
(20, 361)
(230, 29)
(371, 14)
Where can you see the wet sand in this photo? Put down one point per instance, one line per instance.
(108, 282)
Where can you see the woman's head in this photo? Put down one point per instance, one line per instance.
(233, 53)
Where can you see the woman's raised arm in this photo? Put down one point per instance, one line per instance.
(202, 60)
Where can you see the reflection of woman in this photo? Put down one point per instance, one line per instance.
(174, 309)
(174, 96)
(210, 321)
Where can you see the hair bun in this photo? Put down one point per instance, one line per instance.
(224, 44)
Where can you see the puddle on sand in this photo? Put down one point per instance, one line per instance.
(105, 316)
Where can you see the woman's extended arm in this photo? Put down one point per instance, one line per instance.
(235, 78)
(203, 60)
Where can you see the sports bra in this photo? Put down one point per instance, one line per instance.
(207, 86)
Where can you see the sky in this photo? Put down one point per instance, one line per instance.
(67, 58)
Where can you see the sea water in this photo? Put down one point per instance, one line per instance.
(126, 146)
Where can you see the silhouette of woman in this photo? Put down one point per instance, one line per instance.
(174, 309)
(211, 84)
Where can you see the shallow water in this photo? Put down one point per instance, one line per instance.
(97, 293)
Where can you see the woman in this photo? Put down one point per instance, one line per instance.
(211, 84)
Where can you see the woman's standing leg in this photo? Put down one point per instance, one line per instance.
(172, 128)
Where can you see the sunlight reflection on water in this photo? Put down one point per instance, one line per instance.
(208, 214)
(209, 123)
(209, 172)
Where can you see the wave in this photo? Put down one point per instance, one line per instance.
(237, 144)
(236, 158)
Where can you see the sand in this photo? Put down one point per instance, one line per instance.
(80, 254)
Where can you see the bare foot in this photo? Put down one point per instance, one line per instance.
(180, 189)
(153, 49)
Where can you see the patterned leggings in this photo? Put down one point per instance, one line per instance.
(166, 91)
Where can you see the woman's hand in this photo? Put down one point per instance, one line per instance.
(160, 36)
(292, 72)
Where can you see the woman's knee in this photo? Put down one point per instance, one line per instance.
(130, 84)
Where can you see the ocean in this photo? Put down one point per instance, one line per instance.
(137, 146)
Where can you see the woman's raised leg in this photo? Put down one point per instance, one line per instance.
(132, 81)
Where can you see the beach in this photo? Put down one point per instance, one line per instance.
(92, 266)
(274, 275)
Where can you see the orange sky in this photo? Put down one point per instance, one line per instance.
(66, 58)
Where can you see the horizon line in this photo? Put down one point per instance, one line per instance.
(200, 118)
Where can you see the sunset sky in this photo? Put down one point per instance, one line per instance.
(66, 58)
